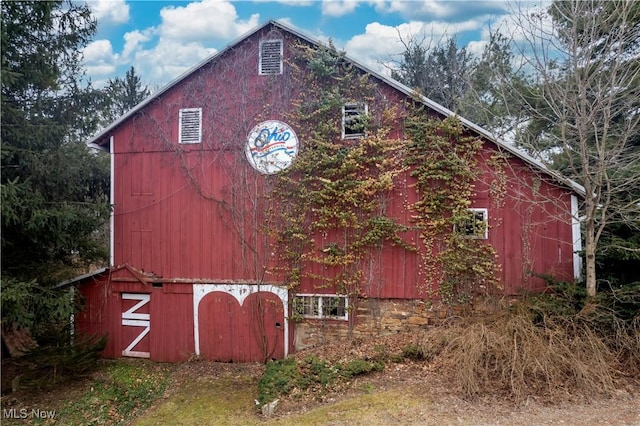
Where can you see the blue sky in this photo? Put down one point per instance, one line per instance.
(163, 39)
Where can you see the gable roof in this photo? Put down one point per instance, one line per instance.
(101, 138)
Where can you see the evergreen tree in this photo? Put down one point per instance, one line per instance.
(54, 189)
(124, 94)
(472, 87)
(441, 72)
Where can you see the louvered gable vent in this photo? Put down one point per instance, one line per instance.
(270, 57)
(190, 130)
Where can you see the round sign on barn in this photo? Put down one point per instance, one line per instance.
(271, 146)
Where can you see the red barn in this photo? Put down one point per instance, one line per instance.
(227, 244)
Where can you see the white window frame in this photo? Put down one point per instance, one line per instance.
(320, 305)
(183, 114)
(270, 70)
(485, 220)
(362, 109)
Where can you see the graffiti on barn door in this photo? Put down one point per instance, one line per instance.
(136, 324)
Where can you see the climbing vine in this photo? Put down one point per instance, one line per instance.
(330, 206)
(443, 161)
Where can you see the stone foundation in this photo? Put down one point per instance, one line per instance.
(380, 317)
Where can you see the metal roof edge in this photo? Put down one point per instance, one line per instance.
(74, 280)
(576, 187)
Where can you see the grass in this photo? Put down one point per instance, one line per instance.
(372, 408)
(225, 400)
(125, 391)
(133, 392)
(230, 400)
(119, 391)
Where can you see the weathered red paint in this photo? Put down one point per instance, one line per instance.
(251, 332)
(186, 214)
(170, 309)
(171, 323)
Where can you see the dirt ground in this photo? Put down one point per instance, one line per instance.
(438, 402)
(407, 393)
(418, 393)
(414, 393)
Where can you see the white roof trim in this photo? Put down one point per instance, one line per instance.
(576, 187)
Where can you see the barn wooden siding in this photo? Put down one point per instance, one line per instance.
(175, 214)
(170, 315)
(144, 317)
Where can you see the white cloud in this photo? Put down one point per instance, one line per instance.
(451, 10)
(182, 39)
(430, 8)
(477, 47)
(525, 26)
(170, 58)
(381, 39)
(288, 2)
(205, 20)
(110, 11)
(380, 43)
(99, 58)
(134, 39)
(338, 8)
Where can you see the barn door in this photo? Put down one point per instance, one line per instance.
(249, 332)
(136, 324)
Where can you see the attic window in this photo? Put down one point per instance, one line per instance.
(190, 127)
(270, 57)
(475, 225)
(354, 118)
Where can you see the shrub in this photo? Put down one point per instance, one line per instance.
(414, 352)
(356, 367)
(544, 345)
(49, 366)
(309, 375)
(516, 356)
(613, 315)
(280, 377)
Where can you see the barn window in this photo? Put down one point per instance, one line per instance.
(270, 57)
(354, 120)
(475, 225)
(190, 125)
(320, 306)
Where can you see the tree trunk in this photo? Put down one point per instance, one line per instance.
(590, 258)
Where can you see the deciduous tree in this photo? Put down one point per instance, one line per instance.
(584, 108)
